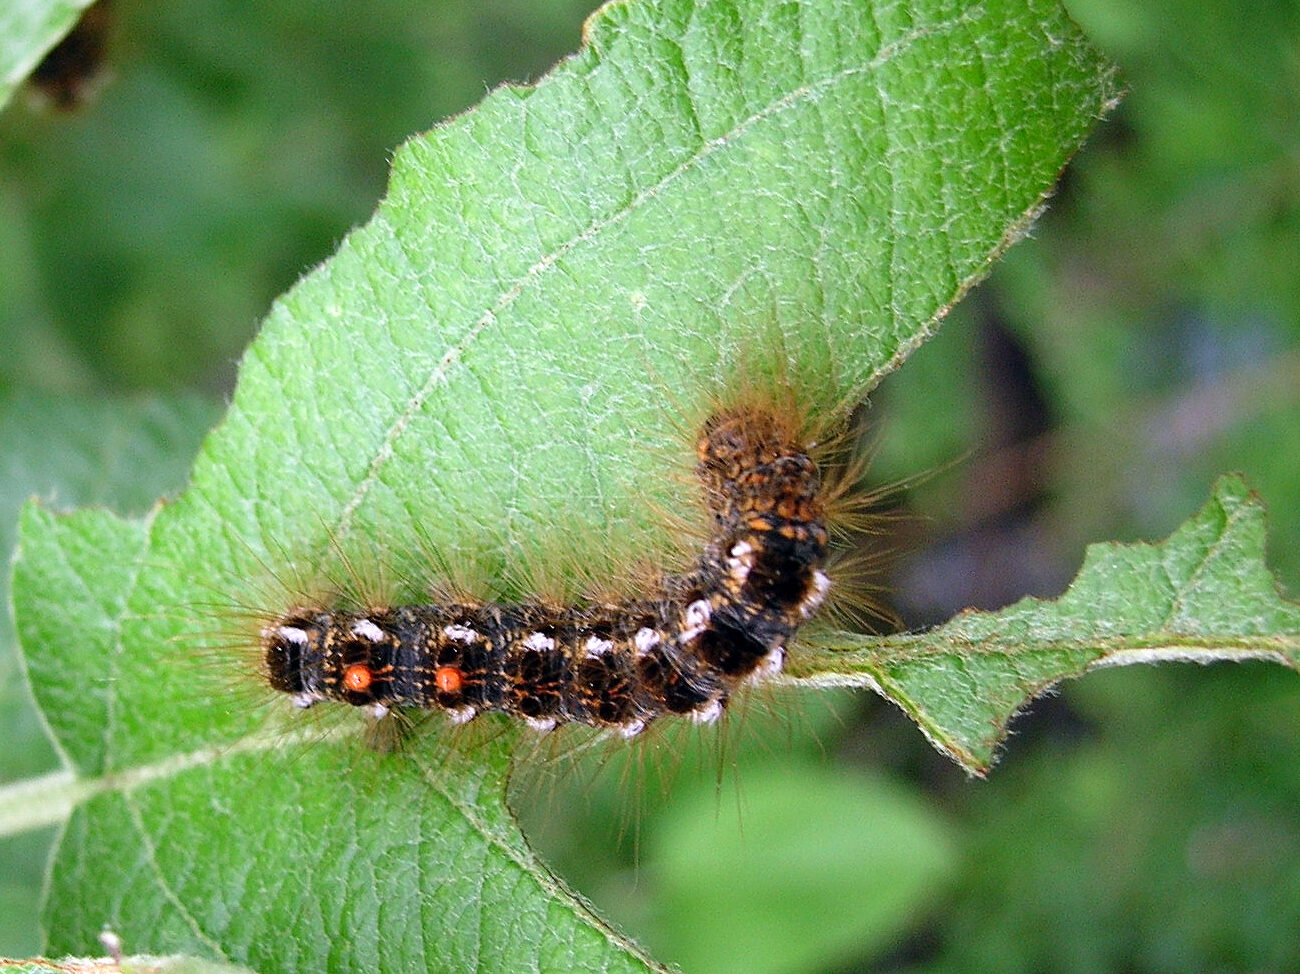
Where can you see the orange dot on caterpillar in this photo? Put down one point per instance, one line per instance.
(448, 679)
(357, 678)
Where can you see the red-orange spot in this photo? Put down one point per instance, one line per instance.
(448, 679)
(357, 678)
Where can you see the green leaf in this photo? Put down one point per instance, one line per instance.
(707, 867)
(496, 370)
(28, 29)
(127, 965)
(1202, 595)
(70, 450)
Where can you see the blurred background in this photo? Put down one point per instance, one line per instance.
(1145, 340)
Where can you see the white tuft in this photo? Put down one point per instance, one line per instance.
(821, 585)
(305, 699)
(595, 646)
(290, 634)
(543, 725)
(740, 561)
(377, 710)
(698, 614)
(461, 715)
(367, 630)
(707, 713)
(630, 729)
(539, 642)
(460, 634)
(769, 666)
(646, 640)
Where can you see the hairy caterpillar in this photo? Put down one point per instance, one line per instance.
(681, 648)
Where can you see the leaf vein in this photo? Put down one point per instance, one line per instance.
(1190, 583)
(530, 866)
(151, 858)
(808, 93)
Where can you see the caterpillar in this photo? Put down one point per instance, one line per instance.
(682, 647)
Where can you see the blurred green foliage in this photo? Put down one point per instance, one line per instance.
(1144, 821)
(145, 235)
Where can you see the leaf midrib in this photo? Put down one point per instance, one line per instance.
(58, 793)
(900, 650)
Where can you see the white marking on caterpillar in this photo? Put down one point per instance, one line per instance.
(769, 666)
(543, 725)
(814, 599)
(539, 642)
(290, 634)
(646, 640)
(631, 729)
(707, 713)
(697, 615)
(461, 715)
(460, 634)
(367, 630)
(595, 646)
(740, 560)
